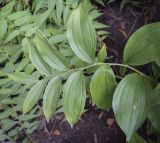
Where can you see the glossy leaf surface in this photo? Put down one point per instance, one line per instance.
(102, 86)
(38, 61)
(131, 102)
(51, 56)
(143, 46)
(102, 55)
(33, 96)
(24, 78)
(81, 35)
(51, 97)
(74, 97)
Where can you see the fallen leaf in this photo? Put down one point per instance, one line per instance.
(123, 33)
(56, 132)
(109, 122)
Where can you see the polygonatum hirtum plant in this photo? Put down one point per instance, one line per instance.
(63, 70)
(22, 66)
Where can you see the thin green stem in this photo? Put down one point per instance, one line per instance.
(112, 64)
(63, 75)
(127, 66)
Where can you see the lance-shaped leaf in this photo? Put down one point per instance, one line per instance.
(22, 77)
(51, 56)
(12, 35)
(81, 35)
(102, 54)
(154, 117)
(143, 45)
(74, 97)
(102, 86)
(38, 61)
(7, 9)
(51, 97)
(22, 64)
(3, 27)
(131, 102)
(33, 96)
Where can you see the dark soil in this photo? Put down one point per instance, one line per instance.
(97, 126)
(124, 23)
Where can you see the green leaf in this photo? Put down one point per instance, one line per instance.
(157, 61)
(154, 117)
(38, 61)
(98, 25)
(27, 117)
(51, 97)
(26, 27)
(41, 19)
(8, 124)
(59, 10)
(17, 15)
(12, 35)
(29, 69)
(102, 33)
(7, 9)
(39, 5)
(13, 132)
(4, 114)
(52, 57)
(58, 38)
(24, 62)
(75, 4)
(8, 91)
(155, 70)
(3, 27)
(12, 50)
(22, 20)
(137, 139)
(30, 32)
(69, 2)
(82, 39)
(100, 2)
(102, 54)
(102, 86)
(5, 81)
(22, 77)
(74, 97)
(3, 136)
(7, 101)
(143, 45)
(25, 43)
(131, 102)
(66, 14)
(51, 4)
(28, 125)
(156, 96)
(3, 57)
(33, 96)
(93, 13)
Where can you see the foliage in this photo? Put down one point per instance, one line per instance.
(28, 71)
(52, 55)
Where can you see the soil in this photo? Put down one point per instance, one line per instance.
(98, 126)
(95, 126)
